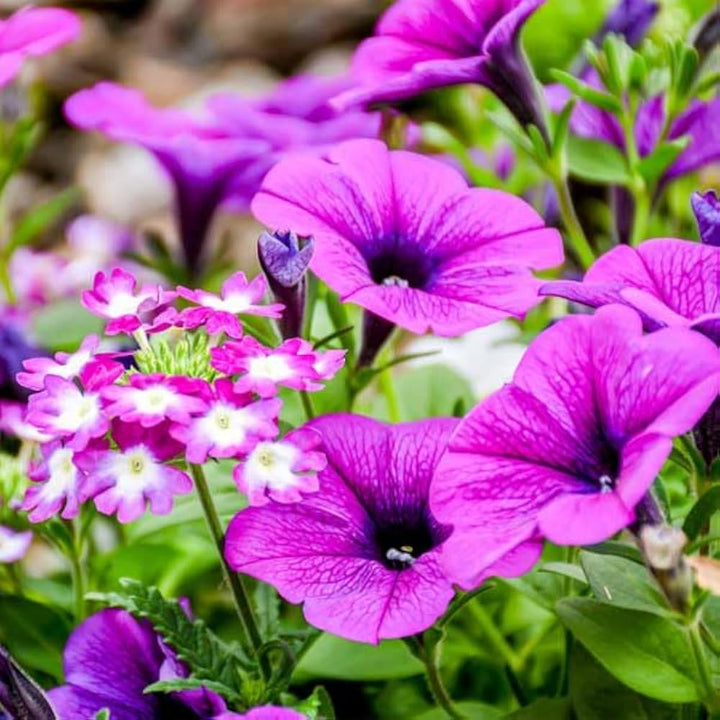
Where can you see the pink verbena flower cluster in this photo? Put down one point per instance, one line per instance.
(119, 429)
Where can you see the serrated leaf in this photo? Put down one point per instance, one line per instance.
(207, 656)
(648, 653)
(193, 683)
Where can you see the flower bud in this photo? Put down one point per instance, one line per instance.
(706, 207)
(662, 547)
(376, 331)
(629, 18)
(285, 259)
(19, 695)
(708, 35)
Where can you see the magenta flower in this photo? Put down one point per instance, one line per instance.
(294, 364)
(64, 365)
(421, 45)
(33, 32)
(64, 411)
(402, 235)
(706, 207)
(119, 299)
(265, 712)
(282, 470)
(13, 544)
(230, 426)
(219, 314)
(295, 117)
(571, 446)
(150, 399)
(200, 162)
(123, 482)
(57, 485)
(669, 282)
(110, 659)
(362, 552)
(13, 421)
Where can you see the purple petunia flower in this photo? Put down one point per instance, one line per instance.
(15, 349)
(110, 659)
(669, 282)
(295, 117)
(265, 712)
(629, 18)
(33, 32)
(420, 45)
(571, 446)
(362, 552)
(125, 480)
(706, 207)
(403, 236)
(200, 161)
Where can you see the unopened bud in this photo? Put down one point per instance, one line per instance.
(662, 547)
(285, 259)
(706, 207)
(19, 695)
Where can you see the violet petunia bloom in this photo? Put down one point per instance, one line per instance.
(110, 659)
(571, 446)
(362, 552)
(201, 163)
(629, 18)
(33, 32)
(403, 236)
(706, 207)
(295, 117)
(265, 712)
(421, 45)
(669, 282)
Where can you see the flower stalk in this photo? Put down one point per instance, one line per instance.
(252, 639)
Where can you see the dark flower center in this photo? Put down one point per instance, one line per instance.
(398, 545)
(608, 468)
(401, 266)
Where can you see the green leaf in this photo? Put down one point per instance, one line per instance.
(623, 583)
(35, 634)
(544, 709)
(647, 653)
(619, 549)
(596, 162)
(318, 706)
(208, 657)
(470, 710)
(701, 512)
(74, 320)
(41, 218)
(104, 714)
(333, 658)
(565, 570)
(597, 695)
(654, 165)
(589, 94)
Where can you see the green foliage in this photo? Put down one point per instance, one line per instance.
(63, 325)
(596, 162)
(334, 658)
(210, 659)
(648, 653)
(544, 709)
(705, 507)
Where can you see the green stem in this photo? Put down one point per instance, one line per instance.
(641, 216)
(78, 580)
(575, 234)
(307, 405)
(439, 692)
(5, 281)
(387, 385)
(251, 634)
(459, 603)
(496, 639)
(710, 697)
